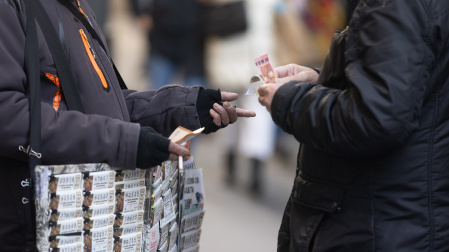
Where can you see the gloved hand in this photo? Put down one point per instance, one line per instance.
(153, 149)
(214, 114)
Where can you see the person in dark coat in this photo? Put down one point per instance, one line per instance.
(123, 128)
(373, 166)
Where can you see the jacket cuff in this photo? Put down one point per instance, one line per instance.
(129, 149)
(281, 102)
(193, 118)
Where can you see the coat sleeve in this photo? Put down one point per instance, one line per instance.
(67, 136)
(388, 57)
(166, 108)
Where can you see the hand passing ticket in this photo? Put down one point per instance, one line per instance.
(267, 74)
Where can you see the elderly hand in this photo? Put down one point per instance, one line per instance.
(293, 72)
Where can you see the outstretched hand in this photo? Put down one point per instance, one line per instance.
(293, 72)
(226, 114)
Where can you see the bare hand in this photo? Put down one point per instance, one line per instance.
(266, 94)
(223, 115)
(292, 72)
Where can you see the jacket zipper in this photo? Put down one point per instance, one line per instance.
(92, 57)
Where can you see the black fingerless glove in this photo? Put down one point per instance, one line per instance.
(152, 148)
(204, 103)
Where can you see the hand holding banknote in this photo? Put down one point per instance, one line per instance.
(293, 72)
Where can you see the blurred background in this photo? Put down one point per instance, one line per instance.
(248, 167)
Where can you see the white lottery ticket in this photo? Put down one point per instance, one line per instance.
(101, 239)
(192, 221)
(99, 180)
(99, 197)
(190, 239)
(66, 200)
(67, 182)
(129, 243)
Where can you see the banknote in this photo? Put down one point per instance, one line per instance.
(265, 69)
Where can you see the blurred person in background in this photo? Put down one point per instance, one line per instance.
(175, 45)
(230, 65)
(373, 167)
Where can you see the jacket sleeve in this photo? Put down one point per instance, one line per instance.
(166, 108)
(388, 57)
(67, 136)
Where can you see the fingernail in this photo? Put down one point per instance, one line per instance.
(227, 105)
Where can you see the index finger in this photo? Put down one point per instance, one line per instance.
(228, 96)
(245, 113)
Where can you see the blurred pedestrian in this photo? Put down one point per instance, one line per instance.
(373, 168)
(175, 44)
(230, 65)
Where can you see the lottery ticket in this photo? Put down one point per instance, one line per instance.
(129, 184)
(66, 182)
(156, 211)
(99, 180)
(99, 222)
(65, 214)
(163, 247)
(164, 236)
(189, 164)
(169, 214)
(66, 200)
(59, 241)
(126, 175)
(95, 211)
(265, 69)
(76, 247)
(99, 197)
(129, 200)
(152, 237)
(255, 82)
(192, 221)
(128, 218)
(128, 243)
(190, 239)
(192, 249)
(128, 229)
(99, 239)
(66, 227)
(174, 249)
(172, 235)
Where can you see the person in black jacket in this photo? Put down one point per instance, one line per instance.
(373, 166)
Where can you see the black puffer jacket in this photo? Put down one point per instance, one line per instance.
(373, 168)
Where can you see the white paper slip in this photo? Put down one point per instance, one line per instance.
(128, 218)
(129, 184)
(128, 229)
(100, 239)
(126, 175)
(99, 197)
(65, 214)
(66, 182)
(99, 180)
(190, 239)
(129, 200)
(255, 82)
(62, 240)
(98, 222)
(129, 243)
(77, 247)
(164, 237)
(95, 211)
(152, 238)
(192, 221)
(193, 199)
(66, 200)
(172, 236)
(66, 227)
